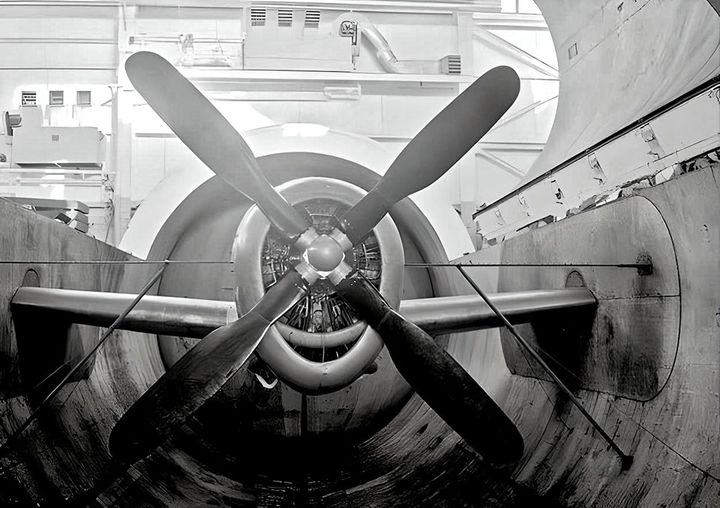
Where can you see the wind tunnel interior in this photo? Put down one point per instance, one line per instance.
(372, 442)
(375, 443)
(251, 445)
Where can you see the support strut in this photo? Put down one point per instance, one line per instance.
(190, 317)
(114, 325)
(626, 460)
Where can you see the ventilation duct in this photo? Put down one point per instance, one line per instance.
(386, 57)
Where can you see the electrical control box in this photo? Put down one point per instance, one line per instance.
(61, 146)
(295, 39)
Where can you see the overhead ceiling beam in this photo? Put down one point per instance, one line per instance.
(437, 6)
(510, 21)
(500, 163)
(510, 49)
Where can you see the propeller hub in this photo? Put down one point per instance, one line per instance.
(324, 253)
(317, 358)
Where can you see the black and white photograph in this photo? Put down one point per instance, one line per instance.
(350, 254)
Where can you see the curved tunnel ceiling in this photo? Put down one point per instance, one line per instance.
(620, 61)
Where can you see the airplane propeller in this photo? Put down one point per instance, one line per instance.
(436, 148)
(208, 134)
(429, 369)
(200, 373)
(436, 376)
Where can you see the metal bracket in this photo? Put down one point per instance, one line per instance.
(648, 135)
(597, 170)
(348, 28)
(557, 191)
(523, 203)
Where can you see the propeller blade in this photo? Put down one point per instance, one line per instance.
(435, 375)
(436, 148)
(208, 134)
(200, 374)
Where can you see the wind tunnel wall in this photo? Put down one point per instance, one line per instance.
(620, 62)
(411, 458)
(414, 460)
(648, 370)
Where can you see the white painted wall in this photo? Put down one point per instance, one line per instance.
(58, 48)
(73, 47)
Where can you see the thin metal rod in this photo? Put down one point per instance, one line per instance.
(472, 265)
(190, 317)
(84, 360)
(626, 459)
(126, 262)
(639, 266)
